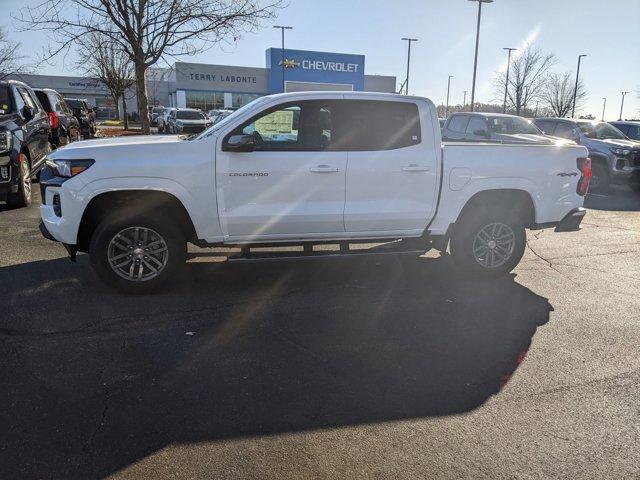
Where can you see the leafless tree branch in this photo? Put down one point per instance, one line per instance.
(148, 31)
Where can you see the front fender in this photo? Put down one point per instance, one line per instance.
(203, 214)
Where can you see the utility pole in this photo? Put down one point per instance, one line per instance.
(475, 61)
(282, 29)
(446, 110)
(408, 40)
(506, 83)
(622, 104)
(604, 106)
(575, 90)
(464, 102)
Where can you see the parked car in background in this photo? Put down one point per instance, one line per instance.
(188, 120)
(492, 128)
(614, 157)
(442, 121)
(219, 112)
(308, 168)
(154, 112)
(65, 127)
(630, 128)
(85, 115)
(163, 120)
(24, 141)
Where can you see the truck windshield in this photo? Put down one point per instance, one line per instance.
(5, 99)
(601, 131)
(513, 126)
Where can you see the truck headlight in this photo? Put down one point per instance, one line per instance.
(6, 141)
(68, 168)
(620, 151)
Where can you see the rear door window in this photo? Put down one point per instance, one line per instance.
(458, 123)
(373, 125)
(634, 132)
(565, 130)
(547, 126)
(44, 100)
(476, 124)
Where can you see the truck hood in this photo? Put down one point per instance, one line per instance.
(611, 142)
(105, 147)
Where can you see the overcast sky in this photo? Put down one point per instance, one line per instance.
(607, 31)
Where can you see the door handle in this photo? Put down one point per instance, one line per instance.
(324, 169)
(415, 168)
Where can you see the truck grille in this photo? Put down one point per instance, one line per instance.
(5, 173)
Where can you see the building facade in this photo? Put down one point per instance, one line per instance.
(207, 87)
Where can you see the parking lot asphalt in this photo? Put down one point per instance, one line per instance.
(348, 368)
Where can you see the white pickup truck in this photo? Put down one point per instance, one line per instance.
(306, 169)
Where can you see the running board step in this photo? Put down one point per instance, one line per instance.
(386, 249)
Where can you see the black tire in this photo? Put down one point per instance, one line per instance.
(101, 248)
(22, 198)
(599, 178)
(499, 223)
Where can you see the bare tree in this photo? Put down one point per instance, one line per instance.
(10, 60)
(558, 94)
(527, 78)
(147, 30)
(103, 59)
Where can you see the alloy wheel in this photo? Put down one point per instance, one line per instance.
(494, 244)
(137, 254)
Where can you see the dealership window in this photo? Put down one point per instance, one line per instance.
(241, 99)
(205, 101)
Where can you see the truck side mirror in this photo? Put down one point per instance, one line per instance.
(27, 113)
(239, 143)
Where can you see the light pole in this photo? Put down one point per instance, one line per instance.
(282, 29)
(475, 61)
(575, 90)
(506, 83)
(408, 40)
(622, 104)
(604, 106)
(464, 102)
(446, 110)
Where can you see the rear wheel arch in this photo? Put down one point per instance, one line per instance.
(516, 201)
(134, 203)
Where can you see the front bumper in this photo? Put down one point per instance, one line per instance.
(572, 220)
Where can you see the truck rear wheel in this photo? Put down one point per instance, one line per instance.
(488, 243)
(137, 254)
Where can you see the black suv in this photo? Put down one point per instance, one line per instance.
(65, 127)
(24, 141)
(85, 115)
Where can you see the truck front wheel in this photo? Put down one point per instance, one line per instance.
(488, 243)
(137, 255)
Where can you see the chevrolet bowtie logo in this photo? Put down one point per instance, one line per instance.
(290, 63)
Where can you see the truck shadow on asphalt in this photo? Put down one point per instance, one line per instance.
(95, 381)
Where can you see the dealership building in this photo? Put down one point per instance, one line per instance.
(204, 86)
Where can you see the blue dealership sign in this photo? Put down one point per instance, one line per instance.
(314, 67)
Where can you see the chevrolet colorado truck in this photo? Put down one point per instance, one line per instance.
(307, 169)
